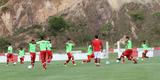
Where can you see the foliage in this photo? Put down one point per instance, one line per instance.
(3, 43)
(2, 2)
(156, 15)
(137, 16)
(57, 25)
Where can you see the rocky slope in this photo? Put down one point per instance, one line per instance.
(89, 13)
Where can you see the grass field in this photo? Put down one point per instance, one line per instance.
(150, 70)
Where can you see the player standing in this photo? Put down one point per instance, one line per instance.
(90, 54)
(32, 50)
(43, 51)
(97, 49)
(128, 52)
(49, 52)
(21, 54)
(10, 55)
(69, 47)
(145, 48)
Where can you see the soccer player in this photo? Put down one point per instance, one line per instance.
(145, 48)
(49, 52)
(32, 50)
(69, 47)
(128, 52)
(90, 54)
(97, 49)
(10, 55)
(21, 53)
(43, 51)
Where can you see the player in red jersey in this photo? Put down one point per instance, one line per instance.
(97, 49)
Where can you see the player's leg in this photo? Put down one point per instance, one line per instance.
(33, 57)
(8, 58)
(22, 60)
(89, 58)
(86, 59)
(69, 58)
(43, 59)
(49, 56)
(95, 57)
(122, 58)
(98, 56)
(145, 54)
(73, 61)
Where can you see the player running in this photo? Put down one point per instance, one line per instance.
(90, 54)
(43, 51)
(128, 52)
(49, 52)
(21, 53)
(32, 50)
(97, 49)
(145, 48)
(69, 47)
(10, 56)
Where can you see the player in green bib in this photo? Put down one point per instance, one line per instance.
(128, 52)
(49, 52)
(43, 51)
(90, 54)
(10, 56)
(21, 53)
(128, 44)
(69, 47)
(32, 50)
(145, 48)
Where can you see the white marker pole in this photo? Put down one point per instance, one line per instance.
(107, 52)
(118, 49)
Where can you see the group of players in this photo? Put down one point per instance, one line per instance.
(94, 51)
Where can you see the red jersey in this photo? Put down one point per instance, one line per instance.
(97, 45)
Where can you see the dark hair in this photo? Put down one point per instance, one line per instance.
(68, 38)
(96, 36)
(127, 37)
(42, 37)
(9, 44)
(144, 41)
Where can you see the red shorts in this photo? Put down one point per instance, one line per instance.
(92, 55)
(49, 52)
(145, 51)
(128, 53)
(10, 57)
(69, 54)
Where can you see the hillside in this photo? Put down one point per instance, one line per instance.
(112, 19)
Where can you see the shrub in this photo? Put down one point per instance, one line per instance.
(57, 25)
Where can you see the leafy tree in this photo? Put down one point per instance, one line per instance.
(3, 43)
(57, 25)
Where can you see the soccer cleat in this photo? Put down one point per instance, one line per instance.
(97, 64)
(74, 64)
(82, 62)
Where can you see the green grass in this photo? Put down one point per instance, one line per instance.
(150, 70)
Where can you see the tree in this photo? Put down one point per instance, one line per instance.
(3, 43)
(57, 25)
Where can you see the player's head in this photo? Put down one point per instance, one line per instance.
(20, 48)
(42, 37)
(33, 41)
(9, 44)
(96, 36)
(144, 41)
(127, 37)
(68, 39)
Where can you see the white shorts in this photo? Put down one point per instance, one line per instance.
(97, 54)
